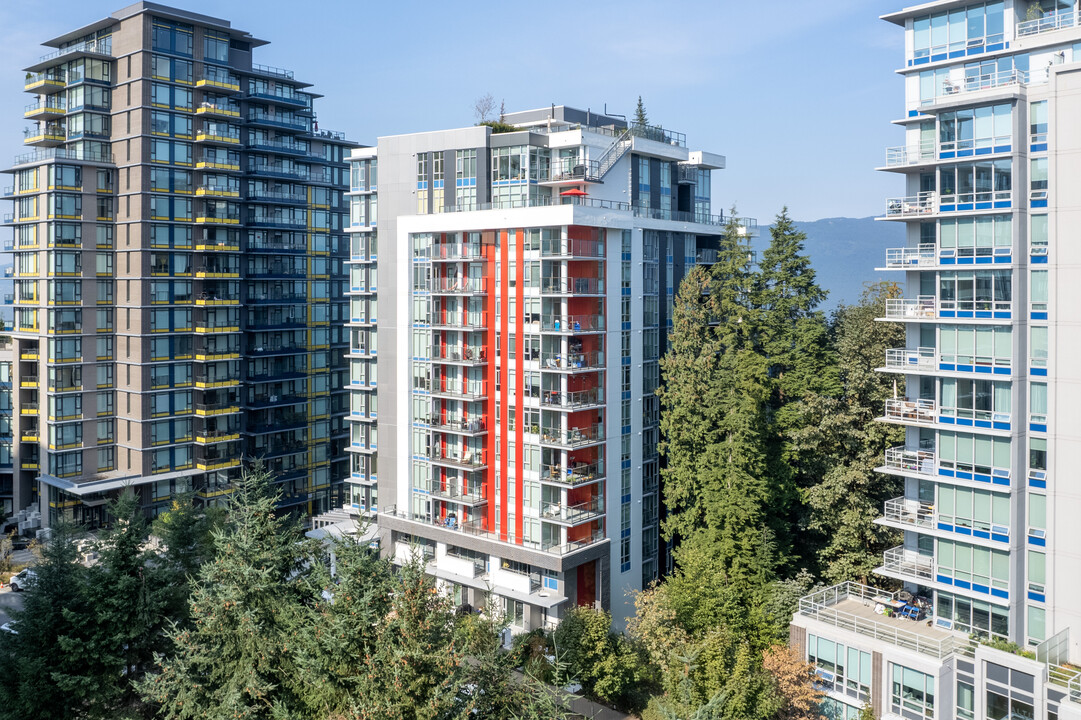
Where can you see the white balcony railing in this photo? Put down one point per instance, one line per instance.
(911, 308)
(908, 563)
(910, 461)
(911, 411)
(923, 255)
(1047, 23)
(920, 359)
(987, 81)
(904, 155)
(924, 203)
(909, 511)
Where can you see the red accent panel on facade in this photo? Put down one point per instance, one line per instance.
(488, 241)
(519, 384)
(504, 292)
(587, 583)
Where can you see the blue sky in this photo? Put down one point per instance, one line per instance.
(798, 95)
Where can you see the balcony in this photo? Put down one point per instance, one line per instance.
(211, 437)
(904, 156)
(225, 191)
(218, 110)
(573, 515)
(901, 410)
(572, 286)
(571, 171)
(469, 428)
(460, 391)
(573, 437)
(468, 495)
(908, 564)
(572, 249)
(456, 252)
(911, 206)
(459, 321)
(218, 137)
(225, 407)
(573, 362)
(1047, 23)
(910, 512)
(50, 135)
(457, 286)
(910, 462)
(574, 475)
(220, 81)
(214, 162)
(46, 83)
(573, 324)
(851, 607)
(908, 258)
(572, 400)
(285, 122)
(50, 108)
(920, 308)
(988, 81)
(467, 355)
(468, 460)
(475, 528)
(919, 360)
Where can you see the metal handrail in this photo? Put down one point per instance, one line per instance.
(905, 410)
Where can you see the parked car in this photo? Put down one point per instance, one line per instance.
(22, 579)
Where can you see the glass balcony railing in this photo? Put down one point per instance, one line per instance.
(907, 257)
(1047, 23)
(909, 563)
(572, 323)
(924, 359)
(903, 410)
(911, 308)
(573, 437)
(903, 460)
(924, 203)
(908, 511)
(573, 474)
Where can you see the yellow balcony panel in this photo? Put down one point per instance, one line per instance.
(211, 137)
(217, 301)
(214, 493)
(44, 85)
(204, 357)
(48, 111)
(218, 84)
(217, 221)
(216, 111)
(29, 384)
(208, 274)
(160, 470)
(64, 504)
(46, 139)
(69, 188)
(232, 382)
(65, 302)
(209, 330)
(216, 247)
(58, 216)
(28, 410)
(30, 466)
(64, 446)
(217, 464)
(216, 192)
(30, 438)
(210, 412)
(29, 356)
(207, 165)
(212, 439)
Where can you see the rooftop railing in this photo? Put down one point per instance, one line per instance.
(821, 606)
(1047, 23)
(750, 224)
(271, 70)
(64, 154)
(100, 46)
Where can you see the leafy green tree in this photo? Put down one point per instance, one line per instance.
(236, 660)
(50, 670)
(840, 442)
(608, 666)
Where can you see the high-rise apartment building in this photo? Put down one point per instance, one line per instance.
(503, 415)
(987, 384)
(179, 266)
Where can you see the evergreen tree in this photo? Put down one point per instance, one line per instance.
(714, 425)
(236, 659)
(50, 669)
(840, 442)
(640, 118)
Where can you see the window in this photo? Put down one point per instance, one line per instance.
(1037, 113)
(1038, 234)
(979, 182)
(171, 37)
(982, 236)
(977, 568)
(841, 669)
(216, 47)
(912, 692)
(976, 291)
(957, 30)
(1037, 404)
(964, 131)
(984, 346)
(979, 400)
(974, 509)
(1038, 179)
